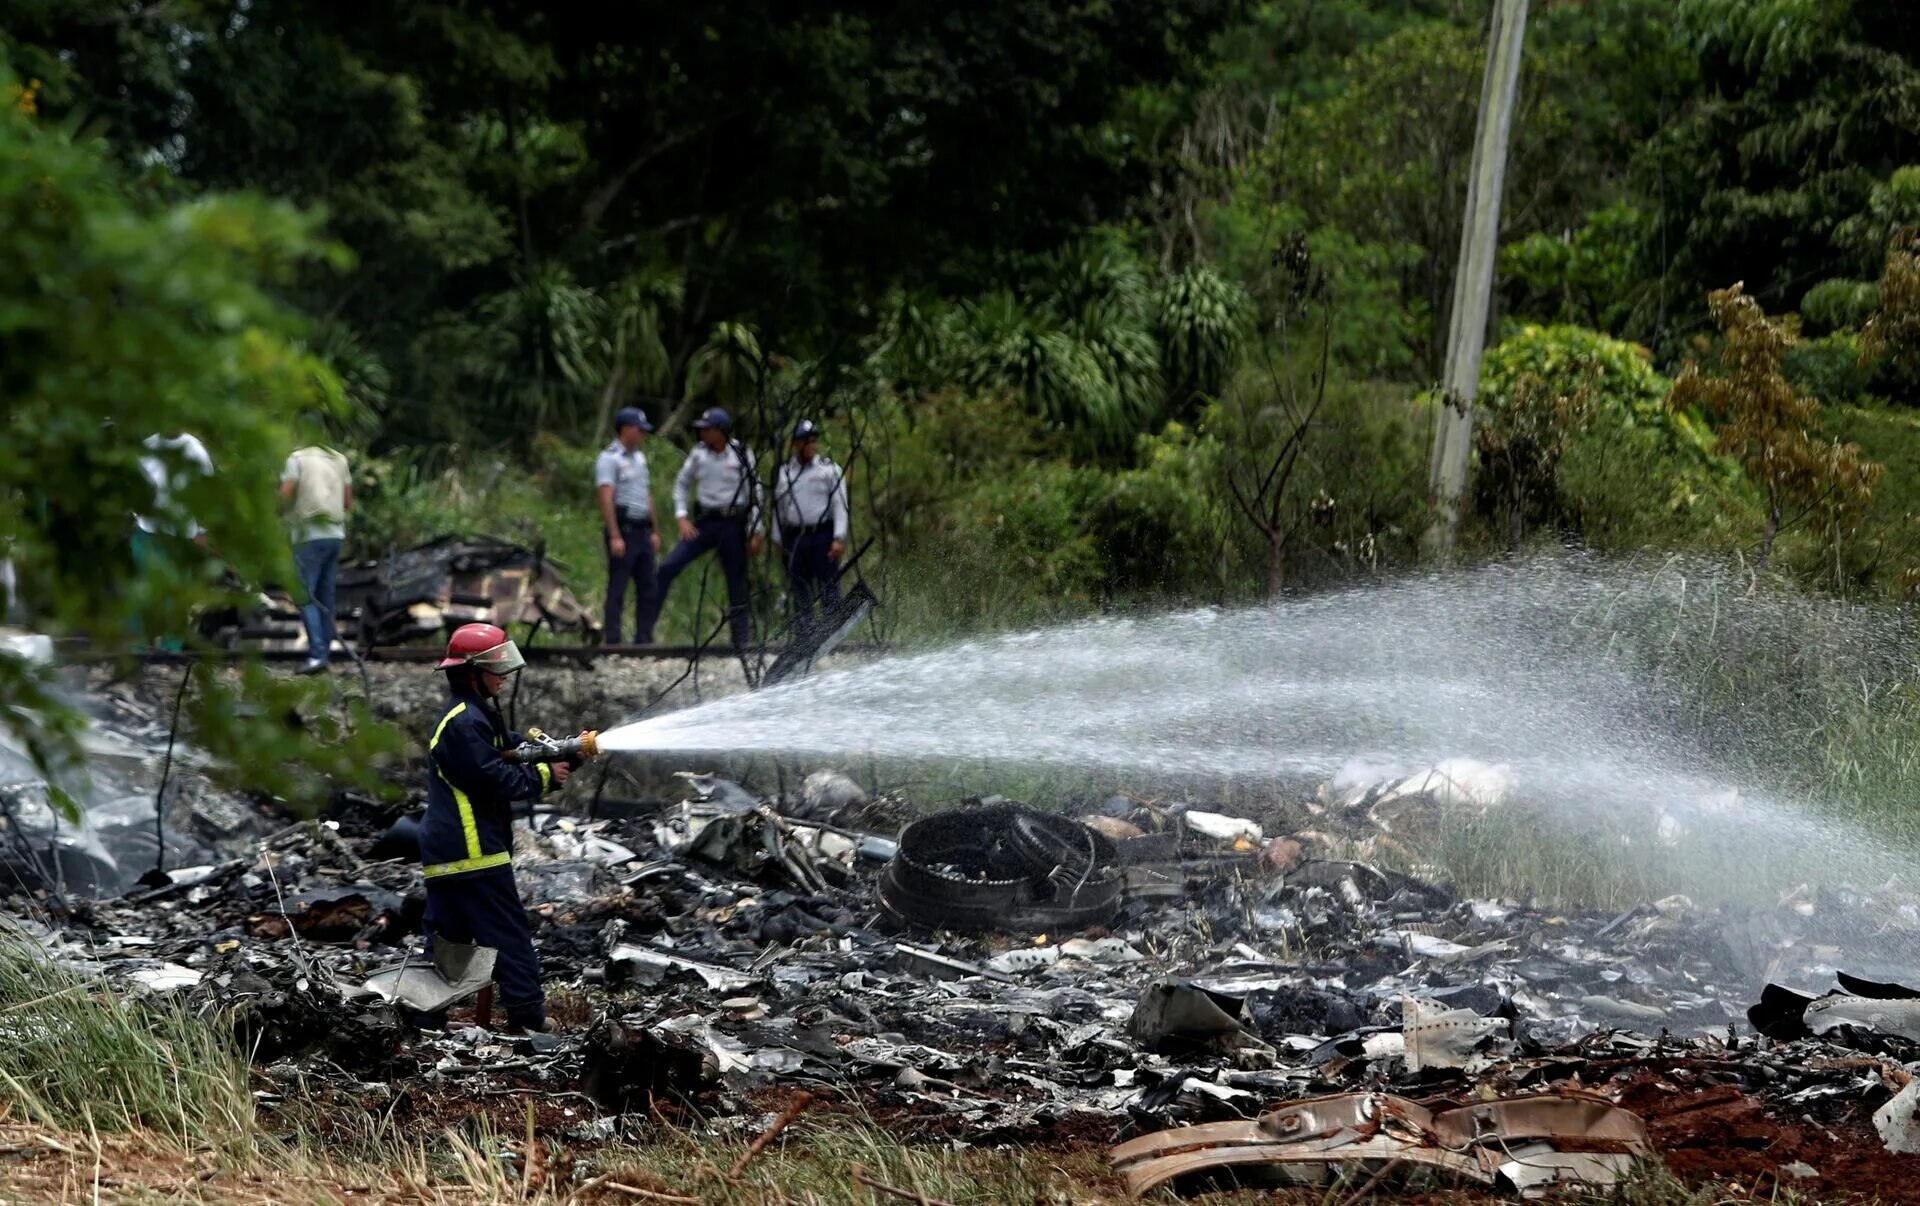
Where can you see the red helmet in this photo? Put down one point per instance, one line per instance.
(484, 647)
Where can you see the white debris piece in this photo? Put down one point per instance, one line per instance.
(1104, 950)
(1440, 950)
(1442, 1038)
(1025, 958)
(1897, 1015)
(720, 979)
(167, 977)
(1222, 828)
(1462, 781)
(1536, 1168)
(1896, 1121)
(1673, 906)
(34, 648)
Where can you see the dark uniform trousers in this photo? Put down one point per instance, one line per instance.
(813, 575)
(635, 567)
(726, 535)
(483, 908)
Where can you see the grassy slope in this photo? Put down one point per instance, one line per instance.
(1891, 437)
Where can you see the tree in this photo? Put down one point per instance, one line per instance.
(1380, 162)
(1773, 428)
(1094, 344)
(1770, 173)
(119, 321)
(1201, 319)
(1892, 333)
(1590, 276)
(1270, 429)
(788, 164)
(1520, 437)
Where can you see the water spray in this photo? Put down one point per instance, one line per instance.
(1563, 670)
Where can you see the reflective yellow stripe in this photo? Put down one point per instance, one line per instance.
(475, 861)
(546, 776)
(444, 722)
(468, 864)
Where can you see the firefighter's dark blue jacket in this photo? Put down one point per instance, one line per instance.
(471, 790)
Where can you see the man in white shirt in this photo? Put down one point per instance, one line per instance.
(159, 543)
(625, 486)
(810, 507)
(317, 489)
(716, 500)
(170, 473)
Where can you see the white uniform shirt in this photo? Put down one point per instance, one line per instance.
(166, 480)
(809, 494)
(630, 478)
(718, 480)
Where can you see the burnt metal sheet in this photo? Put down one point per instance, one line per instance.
(456, 971)
(1285, 1164)
(1856, 1016)
(1318, 1140)
(1176, 1016)
(1547, 1116)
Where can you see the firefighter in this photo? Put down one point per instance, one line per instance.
(466, 837)
(810, 511)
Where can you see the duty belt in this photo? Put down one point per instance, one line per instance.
(792, 532)
(634, 517)
(723, 512)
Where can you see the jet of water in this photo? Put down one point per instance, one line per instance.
(1518, 664)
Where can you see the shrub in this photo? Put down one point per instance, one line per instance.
(1631, 472)
(1161, 527)
(1829, 368)
(1836, 304)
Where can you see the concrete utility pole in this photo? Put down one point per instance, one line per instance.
(1473, 280)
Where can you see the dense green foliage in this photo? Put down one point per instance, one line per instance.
(1780, 171)
(118, 321)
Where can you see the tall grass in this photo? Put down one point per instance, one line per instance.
(78, 1056)
(1814, 696)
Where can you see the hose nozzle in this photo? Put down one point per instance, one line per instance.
(538, 747)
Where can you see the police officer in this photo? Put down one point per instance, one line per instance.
(716, 499)
(810, 505)
(632, 537)
(466, 837)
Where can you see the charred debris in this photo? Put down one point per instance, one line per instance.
(1227, 999)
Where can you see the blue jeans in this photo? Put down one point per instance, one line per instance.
(319, 564)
